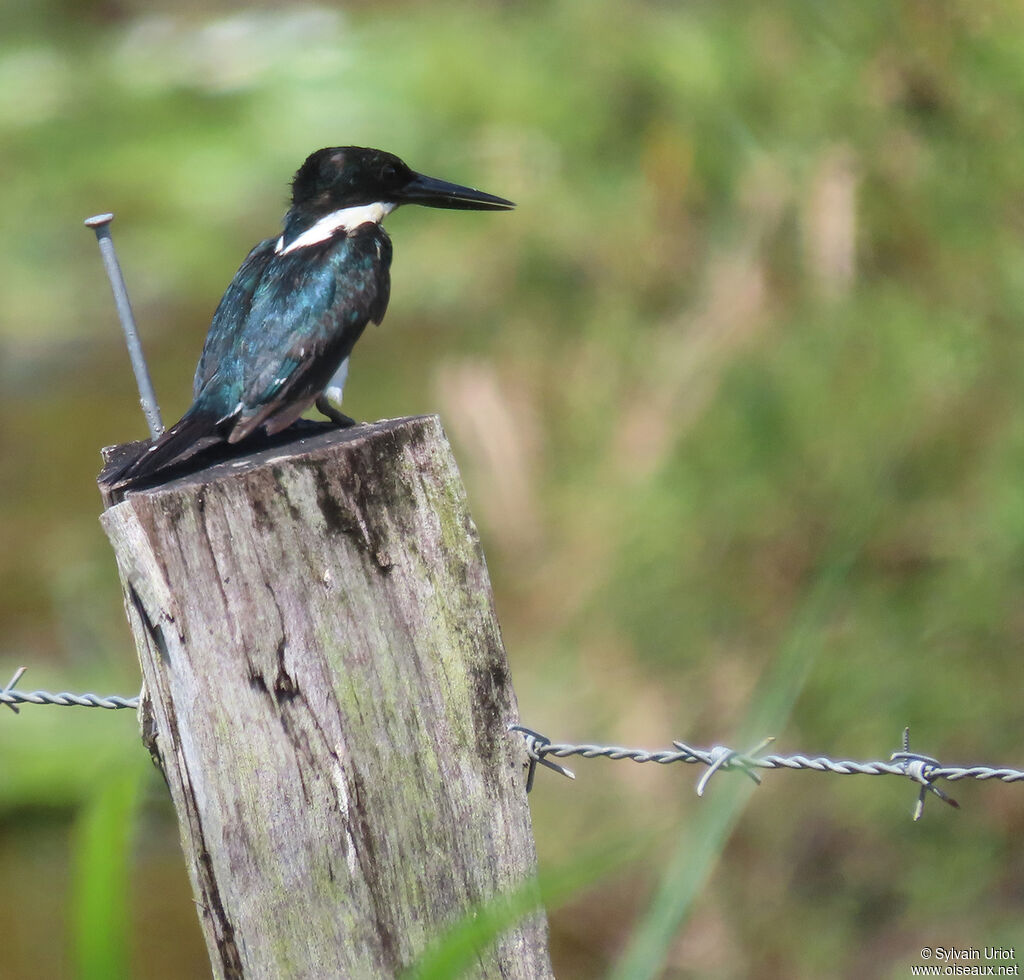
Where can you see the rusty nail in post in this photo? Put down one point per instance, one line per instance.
(100, 224)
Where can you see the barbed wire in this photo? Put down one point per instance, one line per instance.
(921, 769)
(12, 698)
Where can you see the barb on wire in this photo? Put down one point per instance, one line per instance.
(720, 757)
(921, 769)
(12, 698)
(14, 680)
(535, 742)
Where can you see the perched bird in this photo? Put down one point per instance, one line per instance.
(282, 334)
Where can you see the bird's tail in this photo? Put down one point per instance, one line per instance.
(195, 432)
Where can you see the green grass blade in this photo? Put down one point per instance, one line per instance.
(699, 850)
(470, 938)
(101, 886)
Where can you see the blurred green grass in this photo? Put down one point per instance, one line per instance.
(762, 293)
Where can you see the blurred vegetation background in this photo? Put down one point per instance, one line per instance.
(741, 378)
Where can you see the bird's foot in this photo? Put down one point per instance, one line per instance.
(340, 419)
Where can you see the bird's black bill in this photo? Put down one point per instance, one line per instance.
(434, 193)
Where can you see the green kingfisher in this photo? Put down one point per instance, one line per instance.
(282, 334)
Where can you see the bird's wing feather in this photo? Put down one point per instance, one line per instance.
(232, 312)
(305, 314)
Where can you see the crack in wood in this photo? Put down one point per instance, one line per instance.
(153, 630)
(365, 852)
(213, 905)
(285, 686)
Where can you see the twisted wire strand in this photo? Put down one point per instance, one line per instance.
(66, 699)
(923, 770)
(12, 697)
(737, 760)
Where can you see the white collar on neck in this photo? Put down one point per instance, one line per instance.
(343, 220)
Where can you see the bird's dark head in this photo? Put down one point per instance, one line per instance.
(339, 177)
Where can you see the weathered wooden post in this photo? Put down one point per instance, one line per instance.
(326, 690)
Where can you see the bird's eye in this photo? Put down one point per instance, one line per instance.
(388, 171)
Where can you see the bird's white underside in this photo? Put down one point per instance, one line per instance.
(336, 385)
(343, 220)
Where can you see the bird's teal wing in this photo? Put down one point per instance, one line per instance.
(304, 315)
(232, 312)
